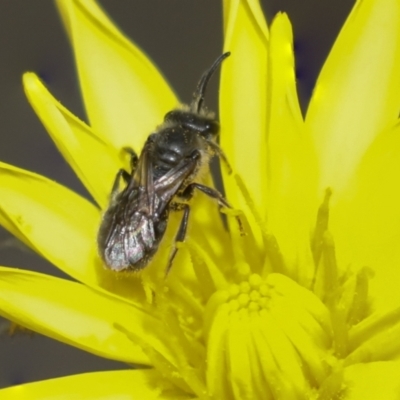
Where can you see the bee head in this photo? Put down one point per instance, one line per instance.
(196, 117)
(207, 127)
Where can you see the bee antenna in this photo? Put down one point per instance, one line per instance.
(198, 96)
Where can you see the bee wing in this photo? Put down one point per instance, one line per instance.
(144, 180)
(168, 185)
(127, 232)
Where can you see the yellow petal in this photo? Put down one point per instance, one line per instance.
(61, 226)
(280, 364)
(93, 159)
(243, 99)
(292, 163)
(106, 385)
(217, 373)
(381, 347)
(378, 323)
(72, 313)
(358, 91)
(257, 354)
(238, 355)
(125, 96)
(304, 320)
(378, 380)
(365, 219)
(271, 334)
(55, 222)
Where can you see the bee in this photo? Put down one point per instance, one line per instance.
(162, 179)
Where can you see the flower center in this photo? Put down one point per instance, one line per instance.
(271, 334)
(251, 295)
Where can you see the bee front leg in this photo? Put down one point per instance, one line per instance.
(181, 234)
(120, 174)
(219, 152)
(134, 157)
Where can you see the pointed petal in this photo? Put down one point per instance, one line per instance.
(93, 159)
(358, 91)
(280, 363)
(365, 219)
(379, 322)
(378, 380)
(292, 164)
(105, 385)
(61, 226)
(258, 348)
(243, 99)
(238, 339)
(125, 96)
(72, 313)
(217, 373)
(383, 346)
(52, 220)
(304, 320)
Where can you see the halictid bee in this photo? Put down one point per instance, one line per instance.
(162, 180)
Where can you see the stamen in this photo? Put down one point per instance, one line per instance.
(325, 281)
(321, 227)
(360, 306)
(249, 201)
(273, 260)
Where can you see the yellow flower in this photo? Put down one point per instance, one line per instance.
(285, 312)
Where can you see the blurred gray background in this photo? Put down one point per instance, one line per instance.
(180, 36)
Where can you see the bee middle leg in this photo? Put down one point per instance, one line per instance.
(126, 176)
(181, 234)
(214, 194)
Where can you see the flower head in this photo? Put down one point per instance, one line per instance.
(283, 312)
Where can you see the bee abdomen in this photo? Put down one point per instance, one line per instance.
(132, 246)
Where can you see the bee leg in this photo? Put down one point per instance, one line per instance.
(181, 234)
(120, 174)
(214, 194)
(134, 157)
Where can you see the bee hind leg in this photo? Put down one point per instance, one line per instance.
(181, 234)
